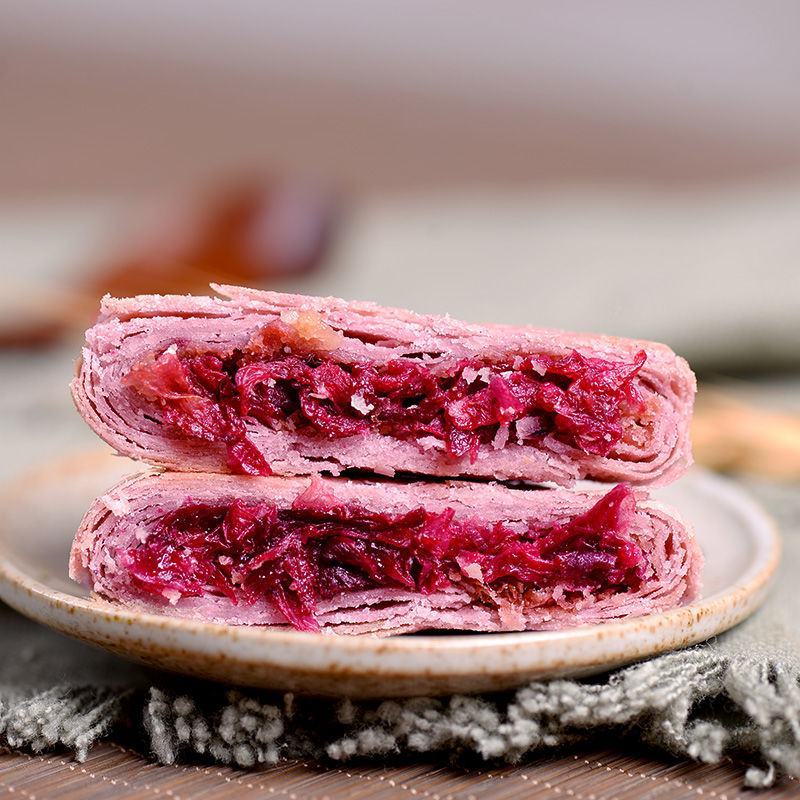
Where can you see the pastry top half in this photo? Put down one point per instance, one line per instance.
(263, 383)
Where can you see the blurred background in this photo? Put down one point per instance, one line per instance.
(629, 167)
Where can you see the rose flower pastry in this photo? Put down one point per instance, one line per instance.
(387, 557)
(261, 383)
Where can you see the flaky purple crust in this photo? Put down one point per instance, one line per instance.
(129, 330)
(118, 518)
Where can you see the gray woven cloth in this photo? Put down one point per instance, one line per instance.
(735, 696)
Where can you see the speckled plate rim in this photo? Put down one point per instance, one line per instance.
(440, 660)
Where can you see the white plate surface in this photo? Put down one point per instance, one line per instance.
(41, 513)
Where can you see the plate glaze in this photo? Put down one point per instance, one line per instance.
(42, 511)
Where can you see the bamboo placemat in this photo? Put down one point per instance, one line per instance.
(114, 772)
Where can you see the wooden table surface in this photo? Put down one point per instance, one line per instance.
(115, 772)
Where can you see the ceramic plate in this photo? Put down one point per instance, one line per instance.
(42, 511)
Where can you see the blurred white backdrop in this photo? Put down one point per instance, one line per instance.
(628, 166)
(378, 94)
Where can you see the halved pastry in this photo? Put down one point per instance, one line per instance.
(263, 383)
(383, 557)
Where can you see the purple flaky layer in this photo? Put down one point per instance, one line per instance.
(129, 513)
(131, 331)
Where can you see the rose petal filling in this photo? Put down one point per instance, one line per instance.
(319, 548)
(463, 406)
